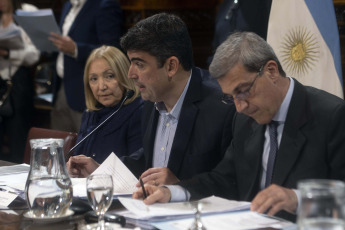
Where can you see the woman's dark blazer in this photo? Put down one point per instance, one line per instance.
(121, 134)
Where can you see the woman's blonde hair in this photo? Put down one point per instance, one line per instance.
(119, 63)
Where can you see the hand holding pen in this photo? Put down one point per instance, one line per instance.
(143, 188)
(152, 194)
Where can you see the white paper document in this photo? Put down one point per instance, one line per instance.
(38, 25)
(12, 169)
(14, 176)
(211, 204)
(6, 198)
(11, 39)
(46, 97)
(123, 179)
(230, 221)
(12, 182)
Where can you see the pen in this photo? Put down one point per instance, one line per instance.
(142, 187)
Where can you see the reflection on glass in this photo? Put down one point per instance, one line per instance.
(322, 205)
(48, 189)
(100, 194)
(197, 224)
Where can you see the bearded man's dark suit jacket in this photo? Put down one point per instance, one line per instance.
(99, 22)
(312, 146)
(202, 135)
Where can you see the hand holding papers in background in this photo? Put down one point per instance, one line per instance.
(38, 25)
(11, 38)
(123, 179)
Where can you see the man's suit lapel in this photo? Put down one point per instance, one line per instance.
(252, 154)
(82, 14)
(64, 13)
(186, 122)
(293, 138)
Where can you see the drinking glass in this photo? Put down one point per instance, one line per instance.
(100, 194)
(197, 224)
(322, 205)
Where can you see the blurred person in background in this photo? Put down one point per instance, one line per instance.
(85, 25)
(240, 15)
(106, 84)
(15, 66)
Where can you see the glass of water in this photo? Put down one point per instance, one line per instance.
(100, 195)
(322, 205)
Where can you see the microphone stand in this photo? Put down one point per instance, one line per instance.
(129, 94)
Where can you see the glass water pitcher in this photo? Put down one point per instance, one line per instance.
(48, 189)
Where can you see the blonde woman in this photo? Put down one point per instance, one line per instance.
(105, 84)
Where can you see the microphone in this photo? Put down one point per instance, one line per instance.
(129, 94)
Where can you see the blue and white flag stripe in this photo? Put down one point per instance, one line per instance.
(326, 21)
(305, 37)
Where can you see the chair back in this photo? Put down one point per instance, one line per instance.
(70, 139)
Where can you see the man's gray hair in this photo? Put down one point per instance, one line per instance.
(242, 47)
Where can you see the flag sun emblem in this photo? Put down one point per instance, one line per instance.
(300, 51)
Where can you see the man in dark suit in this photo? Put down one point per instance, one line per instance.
(310, 133)
(185, 123)
(85, 25)
(201, 136)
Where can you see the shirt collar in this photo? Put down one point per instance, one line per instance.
(175, 112)
(282, 112)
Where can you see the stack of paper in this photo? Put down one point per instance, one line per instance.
(11, 39)
(217, 214)
(211, 204)
(38, 25)
(230, 221)
(12, 183)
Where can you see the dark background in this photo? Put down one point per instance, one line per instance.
(198, 15)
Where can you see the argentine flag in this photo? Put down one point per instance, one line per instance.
(305, 37)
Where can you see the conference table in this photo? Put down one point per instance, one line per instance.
(12, 221)
(12, 217)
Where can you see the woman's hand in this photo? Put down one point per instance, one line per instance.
(81, 166)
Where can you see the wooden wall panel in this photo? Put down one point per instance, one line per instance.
(198, 15)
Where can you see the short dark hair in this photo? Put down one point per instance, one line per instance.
(162, 36)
